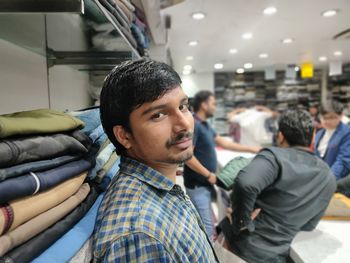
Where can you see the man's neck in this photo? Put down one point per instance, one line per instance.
(168, 170)
(201, 115)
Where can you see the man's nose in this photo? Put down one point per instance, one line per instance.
(183, 121)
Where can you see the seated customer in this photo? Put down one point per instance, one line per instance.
(283, 190)
(332, 143)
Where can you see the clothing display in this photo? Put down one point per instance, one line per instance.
(41, 121)
(145, 216)
(292, 187)
(41, 222)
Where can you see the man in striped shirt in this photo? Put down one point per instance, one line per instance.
(145, 216)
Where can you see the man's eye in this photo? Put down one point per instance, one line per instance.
(157, 116)
(184, 107)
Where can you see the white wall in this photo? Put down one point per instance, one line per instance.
(197, 82)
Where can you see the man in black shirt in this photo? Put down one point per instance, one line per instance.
(290, 188)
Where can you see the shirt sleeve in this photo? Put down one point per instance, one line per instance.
(137, 247)
(250, 182)
(341, 166)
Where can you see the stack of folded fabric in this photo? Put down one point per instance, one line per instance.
(45, 192)
(126, 17)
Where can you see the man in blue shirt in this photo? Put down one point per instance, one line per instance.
(145, 216)
(332, 143)
(199, 171)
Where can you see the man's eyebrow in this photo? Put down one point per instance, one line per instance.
(161, 106)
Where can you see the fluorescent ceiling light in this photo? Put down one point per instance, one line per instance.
(218, 66)
(187, 67)
(193, 43)
(240, 70)
(247, 35)
(338, 53)
(263, 55)
(287, 40)
(189, 58)
(323, 58)
(248, 65)
(296, 68)
(233, 51)
(329, 13)
(270, 10)
(198, 15)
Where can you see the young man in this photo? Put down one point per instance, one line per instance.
(283, 190)
(199, 172)
(332, 143)
(145, 216)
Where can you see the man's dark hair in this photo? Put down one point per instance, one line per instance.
(331, 106)
(199, 98)
(127, 87)
(296, 127)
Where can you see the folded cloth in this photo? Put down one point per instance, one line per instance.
(35, 246)
(229, 173)
(101, 159)
(128, 5)
(26, 208)
(68, 245)
(32, 183)
(36, 166)
(41, 222)
(41, 121)
(33, 148)
(126, 10)
(91, 119)
(338, 208)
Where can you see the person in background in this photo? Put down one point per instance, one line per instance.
(332, 143)
(282, 191)
(313, 110)
(199, 171)
(145, 216)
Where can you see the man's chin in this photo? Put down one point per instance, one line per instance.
(181, 159)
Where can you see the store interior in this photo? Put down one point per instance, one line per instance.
(279, 54)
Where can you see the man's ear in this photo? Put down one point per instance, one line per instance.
(280, 138)
(122, 136)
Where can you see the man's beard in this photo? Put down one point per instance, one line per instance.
(184, 156)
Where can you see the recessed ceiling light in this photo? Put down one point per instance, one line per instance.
(193, 43)
(248, 65)
(247, 35)
(338, 53)
(240, 70)
(189, 58)
(233, 51)
(263, 55)
(270, 10)
(329, 13)
(186, 72)
(187, 67)
(287, 40)
(198, 15)
(218, 66)
(323, 58)
(296, 68)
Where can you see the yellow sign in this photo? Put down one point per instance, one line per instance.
(307, 70)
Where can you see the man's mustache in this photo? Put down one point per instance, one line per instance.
(178, 138)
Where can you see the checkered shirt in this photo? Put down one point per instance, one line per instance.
(145, 217)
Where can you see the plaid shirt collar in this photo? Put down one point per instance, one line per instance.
(145, 174)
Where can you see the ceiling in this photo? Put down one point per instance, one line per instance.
(227, 20)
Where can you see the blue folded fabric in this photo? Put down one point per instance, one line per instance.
(69, 244)
(91, 118)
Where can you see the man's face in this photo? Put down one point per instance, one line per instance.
(210, 107)
(330, 120)
(313, 111)
(162, 130)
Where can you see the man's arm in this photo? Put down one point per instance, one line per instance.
(341, 166)
(230, 145)
(137, 247)
(250, 182)
(196, 166)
